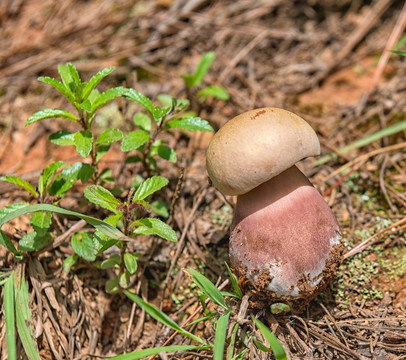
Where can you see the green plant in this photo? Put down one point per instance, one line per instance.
(224, 321)
(159, 119)
(194, 80)
(86, 99)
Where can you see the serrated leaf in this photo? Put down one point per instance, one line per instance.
(149, 186)
(141, 99)
(208, 288)
(67, 79)
(46, 176)
(100, 196)
(62, 137)
(190, 123)
(19, 182)
(86, 105)
(160, 112)
(50, 113)
(83, 141)
(217, 92)
(95, 80)
(130, 261)
(134, 140)
(109, 136)
(107, 96)
(33, 241)
(41, 222)
(143, 121)
(69, 262)
(58, 86)
(25, 325)
(76, 79)
(158, 315)
(152, 226)
(83, 245)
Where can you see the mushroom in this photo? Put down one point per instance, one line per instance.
(284, 238)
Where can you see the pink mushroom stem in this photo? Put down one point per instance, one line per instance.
(285, 239)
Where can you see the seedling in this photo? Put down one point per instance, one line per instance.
(193, 82)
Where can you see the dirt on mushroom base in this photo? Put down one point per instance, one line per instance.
(261, 297)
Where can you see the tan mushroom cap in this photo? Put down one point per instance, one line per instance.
(256, 146)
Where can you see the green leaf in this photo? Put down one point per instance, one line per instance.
(67, 78)
(33, 241)
(220, 337)
(107, 96)
(101, 150)
(134, 140)
(190, 123)
(62, 137)
(141, 99)
(83, 245)
(83, 141)
(69, 262)
(76, 79)
(140, 354)
(112, 286)
(9, 312)
(95, 80)
(277, 348)
(124, 279)
(277, 308)
(86, 105)
(130, 261)
(113, 261)
(208, 288)
(390, 130)
(108, 136)
(149, 186)
(160, 208)
(158, 315)
(24, 322)
(8, 244)
(50, 113)
(100, 225)
(160, 112)
(152, 226)
(11, 208)
(196, 79)
(166, 153)
(47, 175)
(165, 99)
(41, 221)
(217, 92)
(100, 196)
(19, 182)
(58, 86)
(143, 121)
(234, 282)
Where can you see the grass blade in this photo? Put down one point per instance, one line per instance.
(9, 312)
(220, 337)
(158, 315)
(153, 351)
(277, 348)
(24, 322)
(390, 130)
(100, 225)
(208, 288)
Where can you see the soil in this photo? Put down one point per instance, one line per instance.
(320, 59)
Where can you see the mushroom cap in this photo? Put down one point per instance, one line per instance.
(256, 146)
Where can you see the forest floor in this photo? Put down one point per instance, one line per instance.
(320, 59)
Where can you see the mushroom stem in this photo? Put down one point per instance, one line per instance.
(285, 237)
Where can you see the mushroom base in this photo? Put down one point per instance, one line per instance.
(285, 240)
